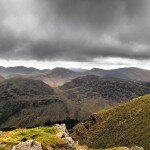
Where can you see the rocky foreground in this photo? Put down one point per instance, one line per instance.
(44, 138)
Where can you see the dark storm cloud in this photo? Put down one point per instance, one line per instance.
(77, 30)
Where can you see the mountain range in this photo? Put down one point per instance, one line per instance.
(75, 101)
(112, 106)
(19, 70)
(58, 76)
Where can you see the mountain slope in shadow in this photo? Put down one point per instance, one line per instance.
(92, 93)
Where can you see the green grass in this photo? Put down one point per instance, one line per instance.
(45, 135)
(124, 125)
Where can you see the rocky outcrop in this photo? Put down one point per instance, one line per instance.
(63, 134)
(28, 145)
(67, 142)
(136, 148)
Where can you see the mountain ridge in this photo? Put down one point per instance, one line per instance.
(91, 93)
(126, 124)
(59, 76)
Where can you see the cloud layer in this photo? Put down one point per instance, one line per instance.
(74, 30)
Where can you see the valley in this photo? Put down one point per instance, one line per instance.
(95, 107)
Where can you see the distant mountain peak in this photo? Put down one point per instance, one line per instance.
(60, 69)
(96, 69)
(62, 72)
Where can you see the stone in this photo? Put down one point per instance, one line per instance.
(69, 141)
(62, 135)
(136, 148)
(28, 145)
(61, 127)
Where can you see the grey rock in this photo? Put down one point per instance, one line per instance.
(63, 133)
(136, 148)
(28, 145)
(70, 142)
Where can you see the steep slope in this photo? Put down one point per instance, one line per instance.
(19, 87)
(124, 125)
(93, 93)
(59, 76)
(29, 103)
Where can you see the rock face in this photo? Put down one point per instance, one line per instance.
(63, 134)
(28, 145)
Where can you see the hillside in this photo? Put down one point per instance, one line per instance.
(135, 74)
(40, 138)
(2, 79)
(92, 93)
(61, 72)
(19, 70)
(44, 138)
(29, 103)
(58, 76)
(34, 100)
(18, 87)
(123, 125)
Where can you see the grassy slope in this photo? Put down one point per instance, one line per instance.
(123, 125)
(45, 135)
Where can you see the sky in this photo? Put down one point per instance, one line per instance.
(75, 33)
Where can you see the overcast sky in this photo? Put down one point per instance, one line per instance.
(75, 33)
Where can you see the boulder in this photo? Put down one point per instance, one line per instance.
(61, 128)
(69, 141)
(63, 134)
(28, 145)
(136, 148)
(62, 131)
